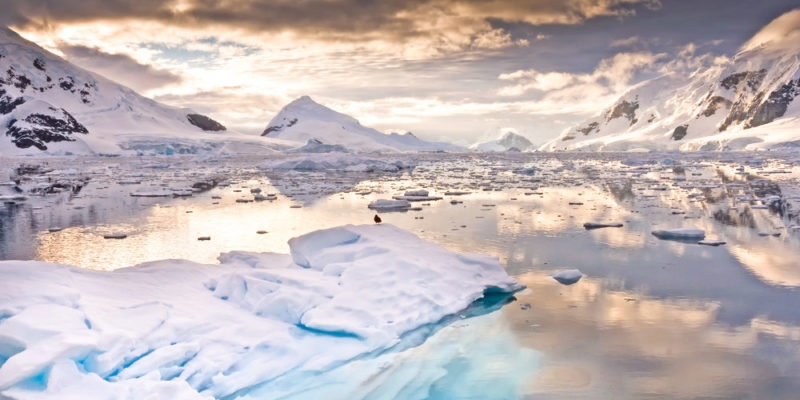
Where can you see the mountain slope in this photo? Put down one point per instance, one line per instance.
(508, 141)
(46, 103)
(303, 119)
(714, 108)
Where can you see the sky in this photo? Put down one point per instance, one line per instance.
(455, 70)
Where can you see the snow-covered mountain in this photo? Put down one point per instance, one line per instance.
(304, 119)
(748, 102)
(49, 105)
(508, 141)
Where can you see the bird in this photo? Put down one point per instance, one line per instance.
(377, 219)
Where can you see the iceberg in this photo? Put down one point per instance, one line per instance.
(389, 205)
(254, 325)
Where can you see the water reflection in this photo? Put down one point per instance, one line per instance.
(600, 342)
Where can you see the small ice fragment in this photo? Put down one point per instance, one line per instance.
(596, 225)
(568, 276)
(711, 242)
(680, 233)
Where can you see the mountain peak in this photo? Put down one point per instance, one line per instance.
(509, 140)
(304, 119)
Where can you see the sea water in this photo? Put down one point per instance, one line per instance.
(649, 318)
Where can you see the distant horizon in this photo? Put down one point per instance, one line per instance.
(452, 71)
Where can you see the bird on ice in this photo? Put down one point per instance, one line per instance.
(377, 219)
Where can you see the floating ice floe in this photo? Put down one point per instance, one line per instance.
(568, 277)
(386, 204)
(417, 195)
(597, 225)
(159, 193)
(337, 162)
(680, 234)
(258, 325)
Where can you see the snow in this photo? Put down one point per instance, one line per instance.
(250, 327)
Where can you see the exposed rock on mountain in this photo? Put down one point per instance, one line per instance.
(205, 123)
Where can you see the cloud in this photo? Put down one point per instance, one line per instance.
(627, 42)
(783, 33)
(436, 25)
(614, 74)
(119, 67)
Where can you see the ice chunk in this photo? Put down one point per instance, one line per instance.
(680, 234)
(568, 276)
(385, 204)
(177, 329)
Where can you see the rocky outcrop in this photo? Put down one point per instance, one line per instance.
(205, 123)
(715, 103)
(278, 127)
(680, 132)
(625, 109)
(775, 105)
(48, 125)
(8, 103)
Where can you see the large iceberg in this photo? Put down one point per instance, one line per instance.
(251, 327)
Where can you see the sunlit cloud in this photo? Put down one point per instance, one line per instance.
(782, 33)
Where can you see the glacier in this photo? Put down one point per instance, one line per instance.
(333, 319)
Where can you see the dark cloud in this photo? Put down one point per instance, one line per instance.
(336, 19)
(119, 67)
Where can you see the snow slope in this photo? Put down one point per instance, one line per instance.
(304, 119)
(49, 105)
(748, 102)
(256, 326)
(508, 141)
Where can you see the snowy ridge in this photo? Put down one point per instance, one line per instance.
(508, 141)
(748, 102)
(304, 119)
(246, 328)
(50, 105)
